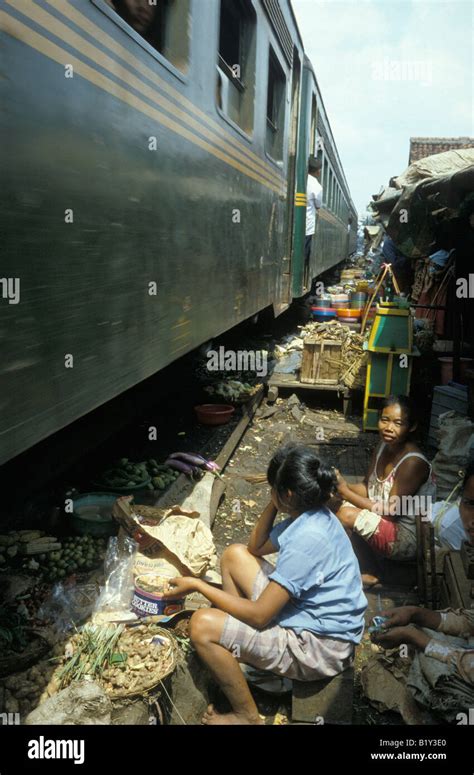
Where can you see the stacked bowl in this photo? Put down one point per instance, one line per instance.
(349, 316)
(358, 300)
(323, 314)
(340, 300)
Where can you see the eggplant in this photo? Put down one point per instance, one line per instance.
(195, 460)
(211, 465)
(188, 457)
(180, 465)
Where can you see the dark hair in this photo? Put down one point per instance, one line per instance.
(314, 164)
(468, 474)
(405, 402)
(297, 468)
(154, 34)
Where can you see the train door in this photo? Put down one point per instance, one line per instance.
(291, 176)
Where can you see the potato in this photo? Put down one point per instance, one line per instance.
(11, 704)
(25, 707)
(26, 690)
(14, 682)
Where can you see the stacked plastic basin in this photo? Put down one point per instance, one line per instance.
(322, 311)
(340, 300)
(352, 313)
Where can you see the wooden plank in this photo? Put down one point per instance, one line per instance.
(289, 381)
(452, 588)
(231, 443)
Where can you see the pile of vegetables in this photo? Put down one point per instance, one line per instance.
(18, 543)
(161, 475)
(232, 390)
(153, 475)
(76, 554)
(148, 474)
(23, 690)
(125, 475)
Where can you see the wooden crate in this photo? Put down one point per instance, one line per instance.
(321, 363)
(457, 587)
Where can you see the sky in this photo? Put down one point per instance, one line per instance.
(389, 70)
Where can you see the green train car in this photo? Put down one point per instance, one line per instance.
(153, 182)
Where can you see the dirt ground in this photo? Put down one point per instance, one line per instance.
(317, 421)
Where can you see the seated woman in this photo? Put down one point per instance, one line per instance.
(381, 510)
(451, 519)
(300, 619)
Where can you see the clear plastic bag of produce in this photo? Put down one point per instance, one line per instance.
(68, 605)
(116, 595)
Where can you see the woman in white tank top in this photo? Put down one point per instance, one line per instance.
(398, 486)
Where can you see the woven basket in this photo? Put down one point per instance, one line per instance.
(169, 664)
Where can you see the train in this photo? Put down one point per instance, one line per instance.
(154, 165)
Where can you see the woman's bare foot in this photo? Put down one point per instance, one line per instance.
(212, 717)
(369, 581)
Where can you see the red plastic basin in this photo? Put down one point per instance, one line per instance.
(214, 414)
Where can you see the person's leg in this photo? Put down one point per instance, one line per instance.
(370, 563)
(239, 569)
(205, 632)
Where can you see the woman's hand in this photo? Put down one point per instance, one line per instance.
(398, 617)
(397, 636)
(389, 639)
(181, 586)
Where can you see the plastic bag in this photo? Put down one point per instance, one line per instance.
(68, 606)
(116, 596)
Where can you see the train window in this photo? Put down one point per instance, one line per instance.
(325, 181)
(312, 145)
(276, 94)
(236, 62)
(161, 23)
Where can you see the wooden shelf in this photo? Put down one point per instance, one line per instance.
(289, 382)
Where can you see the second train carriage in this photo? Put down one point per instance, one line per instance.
(149, 191)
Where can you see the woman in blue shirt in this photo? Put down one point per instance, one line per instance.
(300, 619)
